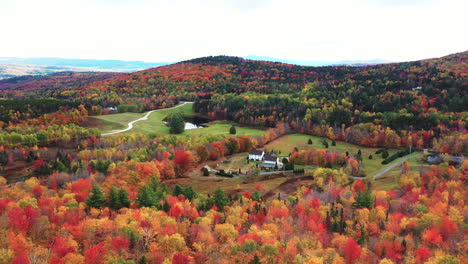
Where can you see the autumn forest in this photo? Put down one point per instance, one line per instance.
(369, 164)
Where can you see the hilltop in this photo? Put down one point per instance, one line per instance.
(415, 87)
(202, 77)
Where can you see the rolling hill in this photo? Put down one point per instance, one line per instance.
(43, 84)
(200, 78)
(434, 83)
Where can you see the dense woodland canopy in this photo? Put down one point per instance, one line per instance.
(95, 199)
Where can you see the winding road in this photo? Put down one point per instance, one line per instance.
(130, 124)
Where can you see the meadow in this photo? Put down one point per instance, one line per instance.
(155, 125)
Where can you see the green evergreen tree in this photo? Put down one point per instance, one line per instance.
(178, 190)
(325, 143)
(113, 199)
(96, 198)
(309, 142)
(154, 184)
(384, 154)
(190, 193)
(3, 158)
(256, 196)
(166, 207)
(123, 198)
(164, 189)
(256, 260)
(289, 166)
(220, 199)
(60, 167)
(363, 200)
(333, 143)
(145, 197)
(232, 130)
(31, 156)
(176, 123)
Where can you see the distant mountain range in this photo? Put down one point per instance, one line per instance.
(318, 63)
(11, 67)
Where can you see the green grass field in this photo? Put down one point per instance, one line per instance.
(222, 128)
(107, 123)
(155, 124)
(287, 144)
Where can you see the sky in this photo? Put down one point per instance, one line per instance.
(174, 30)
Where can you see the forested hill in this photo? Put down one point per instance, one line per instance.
(441, 83)
(419, 86)
(42, 84)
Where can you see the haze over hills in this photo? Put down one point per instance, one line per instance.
(318, 63)
(15, 70)
(51, 82)
(11, 67)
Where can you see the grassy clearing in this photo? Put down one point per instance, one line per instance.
(155, 124)
(222, 128)
(388, 180)
(287, 144)
(107, 123)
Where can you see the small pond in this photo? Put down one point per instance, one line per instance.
(194, 122)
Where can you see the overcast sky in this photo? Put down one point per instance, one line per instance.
(173, 30)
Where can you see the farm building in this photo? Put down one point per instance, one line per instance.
(256, 154)
(271, 160)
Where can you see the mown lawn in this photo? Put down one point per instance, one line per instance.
(222, 128)
(155, 124)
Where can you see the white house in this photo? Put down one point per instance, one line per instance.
(256, 154)
(271, 160)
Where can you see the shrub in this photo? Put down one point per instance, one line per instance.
(232, 130)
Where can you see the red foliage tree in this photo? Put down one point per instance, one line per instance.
(181, 258)
(95, 255)
(447, 227)
(60, 247)
(352, 251)
(422, 254)
(21, 220)
(21, 259)
(183, 159)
